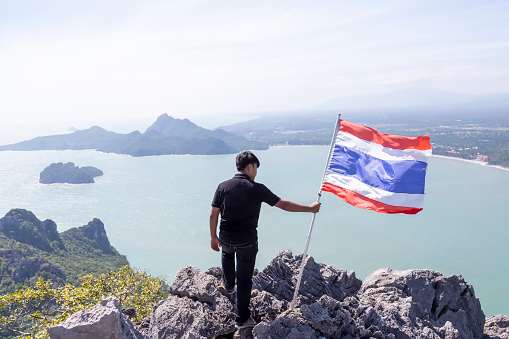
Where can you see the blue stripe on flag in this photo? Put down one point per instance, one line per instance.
(406, 176)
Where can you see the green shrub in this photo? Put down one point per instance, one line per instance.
(30, 310)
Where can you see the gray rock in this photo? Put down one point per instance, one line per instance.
(497, 326)
(104, 320)
(196, 309)
(280, 277)
(199, 307)
(130, 312)
(266, 307)
(326, 318)
(329, 318)
(420, 304)
(190, 282)
(143, 325)
(288, 325)
(390, 304)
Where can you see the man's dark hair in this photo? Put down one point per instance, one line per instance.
(245, 158)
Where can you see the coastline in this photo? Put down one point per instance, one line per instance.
(433, 155)
(270, 146)
(473, 161)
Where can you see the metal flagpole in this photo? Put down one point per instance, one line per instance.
(304, 255)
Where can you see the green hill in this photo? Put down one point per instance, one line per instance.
(31, 248)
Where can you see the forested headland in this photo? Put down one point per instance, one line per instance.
(31, 249)
(466, 133)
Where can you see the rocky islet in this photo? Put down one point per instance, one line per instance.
(68, 173)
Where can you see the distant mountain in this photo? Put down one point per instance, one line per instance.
(166, 136)
(171, 127)
(414, 98)
(31, 248)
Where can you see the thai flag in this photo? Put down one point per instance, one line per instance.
(379, 172)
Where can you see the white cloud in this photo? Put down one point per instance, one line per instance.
(97, 61)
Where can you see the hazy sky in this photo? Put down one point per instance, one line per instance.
(97, 62)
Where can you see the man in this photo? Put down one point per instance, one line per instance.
(238, 201)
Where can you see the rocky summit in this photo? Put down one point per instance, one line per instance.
(332, 303)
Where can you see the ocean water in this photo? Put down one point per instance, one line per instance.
(155, 211)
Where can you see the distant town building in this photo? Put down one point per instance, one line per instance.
(481, 157)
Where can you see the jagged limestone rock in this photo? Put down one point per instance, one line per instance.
(287, 325)
(196, 308)
(328, 317)
(280, 276)
(331, 304)
(104, 320)
(420, 304)
(199, 306)
(265, 306)
(497, 326)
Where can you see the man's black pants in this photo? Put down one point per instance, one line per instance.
(245, 253)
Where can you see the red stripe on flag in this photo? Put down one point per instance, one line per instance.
(386, 140)
(358, 200)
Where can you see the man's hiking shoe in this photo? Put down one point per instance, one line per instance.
(226, 289)
(229, 292)
(248, 323)
(243, 333)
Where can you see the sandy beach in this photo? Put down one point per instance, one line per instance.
(473, 161)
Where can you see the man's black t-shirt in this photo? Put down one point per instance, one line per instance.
(240, 200)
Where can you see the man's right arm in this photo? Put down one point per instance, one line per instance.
(213, 220)
(291, 206)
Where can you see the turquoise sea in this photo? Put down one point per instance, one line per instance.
(155, 210)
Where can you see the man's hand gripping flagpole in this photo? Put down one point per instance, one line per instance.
(304, 255)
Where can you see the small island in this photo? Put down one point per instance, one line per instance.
(69, 173)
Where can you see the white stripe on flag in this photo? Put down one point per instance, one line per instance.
(379, 151)
(389, 198)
